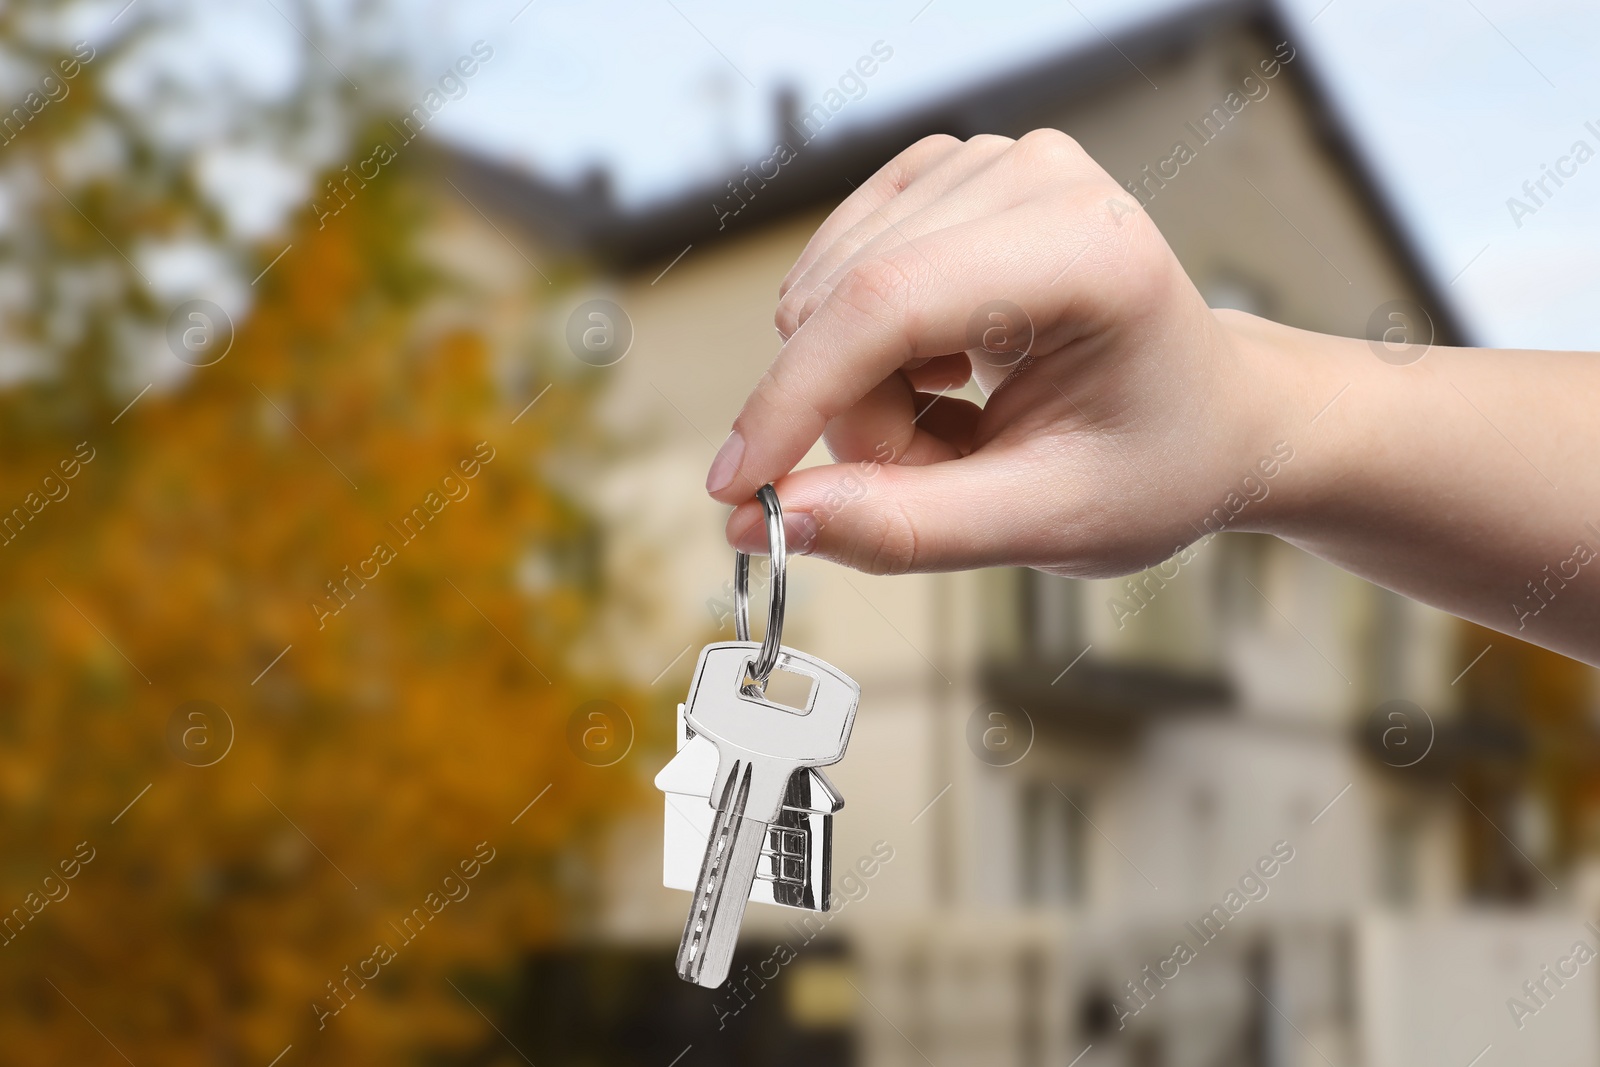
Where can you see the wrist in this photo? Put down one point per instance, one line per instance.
(1301, 440)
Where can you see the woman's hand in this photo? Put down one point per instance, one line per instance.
(1126, 420)
(1120, 413)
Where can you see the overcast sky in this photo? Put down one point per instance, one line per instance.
(667, 91)
(1457, 103)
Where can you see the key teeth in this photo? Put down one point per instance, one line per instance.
(729, 854)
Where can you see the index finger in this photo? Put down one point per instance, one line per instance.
(886, 183)
(887, 310)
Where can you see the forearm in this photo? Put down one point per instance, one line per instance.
(1467, 479)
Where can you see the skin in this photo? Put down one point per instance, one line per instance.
(1129, 411)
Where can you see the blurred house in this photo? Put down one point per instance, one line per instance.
(1073, 777)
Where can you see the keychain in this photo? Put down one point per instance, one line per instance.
(749, 816)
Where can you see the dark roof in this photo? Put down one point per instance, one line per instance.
(585, 219)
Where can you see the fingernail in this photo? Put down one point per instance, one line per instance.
(753, 542)
(799, 535)
(726, 465)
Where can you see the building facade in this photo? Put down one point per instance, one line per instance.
(1215, 814)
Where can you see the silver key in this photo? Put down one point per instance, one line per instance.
(760, 746)
(795, 869)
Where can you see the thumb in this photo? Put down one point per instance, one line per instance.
(889, 519)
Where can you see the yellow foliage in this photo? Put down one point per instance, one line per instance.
(388, 744)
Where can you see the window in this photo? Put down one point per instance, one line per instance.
(1050, 607)
(1052, 845)
(1397, 863)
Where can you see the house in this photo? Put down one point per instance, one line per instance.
(1229, 811)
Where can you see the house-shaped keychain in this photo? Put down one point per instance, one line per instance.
(797, 859)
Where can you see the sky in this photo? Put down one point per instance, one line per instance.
(666, 92)
(1453, 104)
(1457, 103)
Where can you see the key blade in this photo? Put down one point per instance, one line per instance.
(716, 911)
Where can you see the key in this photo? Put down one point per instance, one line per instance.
(760, 746)
(795, 869)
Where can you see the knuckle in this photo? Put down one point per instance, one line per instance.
(875, 288)
(787, 317)
(903, 169)
(893, 541)
(1048, 146)
(990, 140)
(932, 145)
(810, 302)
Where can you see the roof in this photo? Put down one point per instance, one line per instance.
(1450, 113)
(588, 217)
(1452, 108)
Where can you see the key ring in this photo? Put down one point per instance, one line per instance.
(762, 668)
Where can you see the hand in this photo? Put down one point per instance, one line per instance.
(1120, 413)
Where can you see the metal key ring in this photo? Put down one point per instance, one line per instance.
(762, 669)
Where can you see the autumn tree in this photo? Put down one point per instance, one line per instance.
(283, 681)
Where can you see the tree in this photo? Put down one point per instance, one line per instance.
(273, 694)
